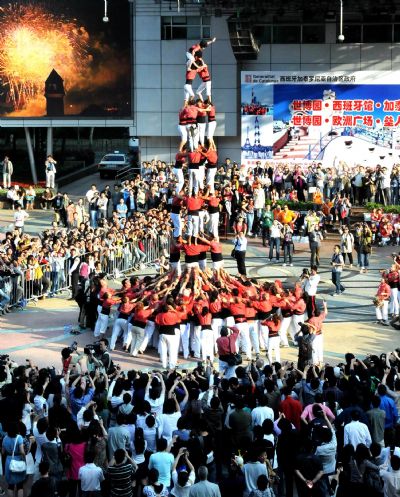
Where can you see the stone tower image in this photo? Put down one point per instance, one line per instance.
(54, 93)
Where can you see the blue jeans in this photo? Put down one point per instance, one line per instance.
(274, 242)
(364, 260)
(287, 253)
(93, 219)
(250, 221)
(336, 281)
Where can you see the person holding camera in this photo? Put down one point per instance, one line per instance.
(185, 478)
(50, 165)
(80, 393)
(337, 264)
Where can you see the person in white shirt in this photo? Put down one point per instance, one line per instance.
(275, 232)
(356, 432)
(50, 165)
(262, 412)
(90, 477)
(310, 287)
(391, 478)
(152, 395)
(86, 415)
(184, 479)
(240, 242)
(19, 218)
(90, 193)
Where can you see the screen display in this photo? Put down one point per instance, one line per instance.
(59, 58)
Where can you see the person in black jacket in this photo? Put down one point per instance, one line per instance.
(46, 485)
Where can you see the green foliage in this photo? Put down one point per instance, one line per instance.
(296, 206)
(388, 209)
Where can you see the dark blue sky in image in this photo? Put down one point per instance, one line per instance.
(284, 94)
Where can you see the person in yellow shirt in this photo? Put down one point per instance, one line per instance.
(287, 216)
(317, 197)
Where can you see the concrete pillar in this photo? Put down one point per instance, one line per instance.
(31, 156)
(49, 143)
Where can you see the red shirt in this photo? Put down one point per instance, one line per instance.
(168, 318)
(238, 309)
(227, 345)
(292, 410)
(316, 323)
(143, 315)
(299, 307)
(272, 327)
(192, 249)
(212, 157)
(194, 203)
(216, 247)
(383, 291)
(194, 157)
(262, 305)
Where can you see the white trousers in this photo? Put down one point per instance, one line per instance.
(211, 129)
(244, 339)
(253, 332)
(202, 173)
(214, 223)
(138, 334)
(294, 324)
(318, 349)
(382, 312)
(202, 132)
(127, 339)
(177, 224)
(193, 225)
(203, 264)
(183, 131)
(6, 180)
(205, 85)
(273, 347)
(193, 180)
(148, 334)
(207, 344)
(50, 179)
(168, 347)
(176, 266)
(184, 331)
(216, 325)
(217, 265)
(181, 180)
(120, 326)
(394, 301)
(101, 325)
(193, 136)
(195, 340)
(285, 323)
(264, 336)
(188, 91)
(211, 172)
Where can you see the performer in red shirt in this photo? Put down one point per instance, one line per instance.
(198, 48)
(263, 307)
(180, 161)
(193, 204)
(175, 214)
(102, 321)
(201, 120)
(212, 124)
(382, 302)
(226, 345)
(194, 159)
(206, 82)
(216, 255)
(211, 167)
(315, 326)
(121, 322)
(238, 311)
(273, 324)
(167, 321)
(138, 325)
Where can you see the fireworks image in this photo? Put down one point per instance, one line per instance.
(39, 37)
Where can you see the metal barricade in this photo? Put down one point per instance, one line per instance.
(55, 278)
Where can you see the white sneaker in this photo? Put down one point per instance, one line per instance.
(291, 265)
(284, 264)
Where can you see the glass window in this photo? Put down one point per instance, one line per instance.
(396, 33)
(351, 32)
(313, 33)
(193, 21)
(193, 32)
(377, 33)
(179, 33)
(179, 20)
(286, 34)
(206, 32)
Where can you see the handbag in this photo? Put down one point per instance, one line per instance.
(233, 359)
(233, 253)
(15, 465)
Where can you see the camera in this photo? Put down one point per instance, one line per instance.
(92, 349)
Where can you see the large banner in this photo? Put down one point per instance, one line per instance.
(59, 58)
(333, 117)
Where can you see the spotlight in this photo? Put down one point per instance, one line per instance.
(105, 19)
(341, 38)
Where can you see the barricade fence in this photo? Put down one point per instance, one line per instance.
(59, 274)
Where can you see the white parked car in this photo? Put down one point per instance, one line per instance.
(113, 163)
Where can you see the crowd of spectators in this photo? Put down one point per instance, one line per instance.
(264, 431)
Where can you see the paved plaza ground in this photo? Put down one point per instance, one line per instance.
(38, 331)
